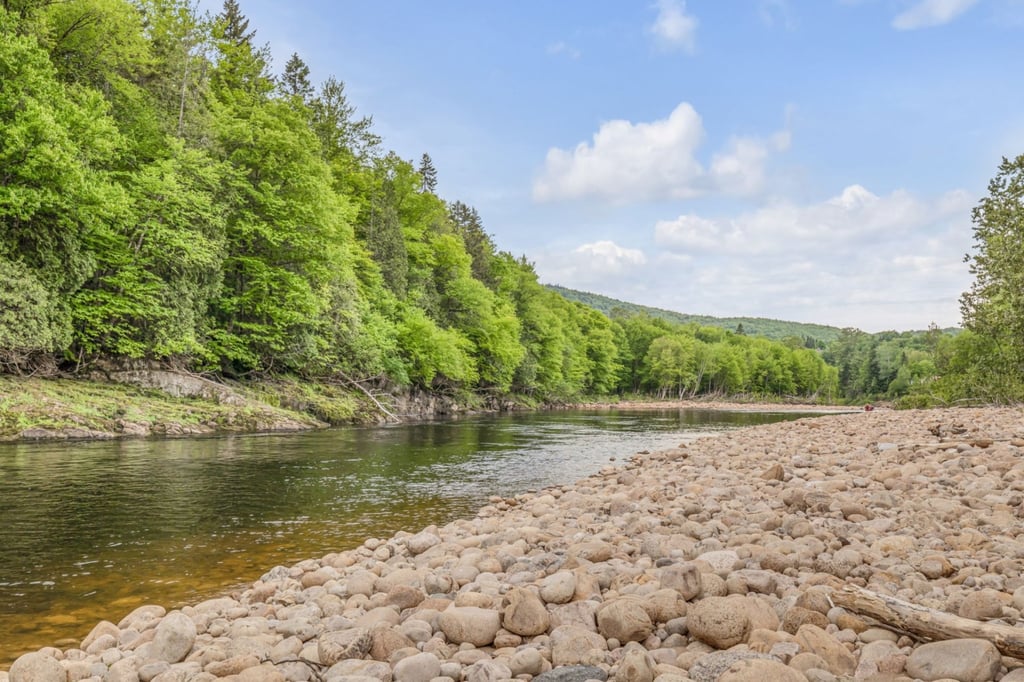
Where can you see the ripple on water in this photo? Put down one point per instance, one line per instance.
(93, 530)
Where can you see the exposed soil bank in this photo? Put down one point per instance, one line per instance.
(726, 559)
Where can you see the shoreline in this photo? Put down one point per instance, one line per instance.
(719, 405)
(169, 404)
(718, 555)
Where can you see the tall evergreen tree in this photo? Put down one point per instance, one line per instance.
(341, 133)
(295, 80)
(234, 26)
(479, 245)
(241, 68)
(428, 174)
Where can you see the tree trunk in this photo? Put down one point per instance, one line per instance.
(928, 623)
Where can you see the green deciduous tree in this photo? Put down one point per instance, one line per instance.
(993, 308)
(160, 265)
(672, 364)
(56, 141)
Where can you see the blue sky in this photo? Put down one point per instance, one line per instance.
(809, 160)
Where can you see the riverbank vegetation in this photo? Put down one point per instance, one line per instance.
(169, 200)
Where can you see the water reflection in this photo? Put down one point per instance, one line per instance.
(91, 530)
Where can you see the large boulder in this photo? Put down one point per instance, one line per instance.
(966, 660)
(470, 624)
(420, 667)
(573, 645)
(721, 622)
(37, 667)
(525, 613)
(624, 619)
(174, 638)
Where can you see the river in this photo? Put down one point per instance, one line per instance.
(90, 530)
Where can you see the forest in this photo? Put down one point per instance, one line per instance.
(167, 197)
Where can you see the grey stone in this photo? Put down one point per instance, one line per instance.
(558, 588)
(37, 667)
(344, 644)
(624, 619)
(966, 660)
(487, 671)
(525, 613)
(710, 666)
(470, 624)
(174, 638)
(572, 673)
(421, 667)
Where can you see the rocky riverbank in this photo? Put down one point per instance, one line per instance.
(721, 560)
(146, 402)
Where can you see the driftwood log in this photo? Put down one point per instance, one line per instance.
(927, 623)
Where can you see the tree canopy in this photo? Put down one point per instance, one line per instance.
(166, 195)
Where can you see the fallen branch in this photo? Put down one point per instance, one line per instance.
(357, 385)
(928, 623)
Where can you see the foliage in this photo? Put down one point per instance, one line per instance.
(811, 335)
(165, 197)
(30, 320)
(992, 360)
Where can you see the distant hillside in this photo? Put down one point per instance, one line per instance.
(752, 326)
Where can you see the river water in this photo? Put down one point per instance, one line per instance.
(90, 530)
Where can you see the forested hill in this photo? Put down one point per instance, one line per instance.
(751, 326)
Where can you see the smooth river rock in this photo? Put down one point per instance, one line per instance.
(966, 660)
(174, 638)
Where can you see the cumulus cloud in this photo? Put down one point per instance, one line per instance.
(854, 216)
(628, 161)
(592, 265)
(674, 28)
(607, 257)
(927, 13)
(855, 259)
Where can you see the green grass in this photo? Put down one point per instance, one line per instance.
(65, 404)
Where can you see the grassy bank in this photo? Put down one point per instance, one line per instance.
(71, 408)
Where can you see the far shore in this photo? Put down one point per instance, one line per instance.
(724, 405)
(36, 409)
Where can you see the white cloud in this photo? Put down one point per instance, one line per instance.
(562, 48)
(636, 161)
(740, 169)
(593, 265)
(607, 257)
(927, 13)
(854, 217)
(859, 259)
(674, 28)
(855, 259)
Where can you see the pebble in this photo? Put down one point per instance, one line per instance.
(711, 561)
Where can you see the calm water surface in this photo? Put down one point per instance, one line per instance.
(91, 530)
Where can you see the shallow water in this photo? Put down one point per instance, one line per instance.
(90, 530)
